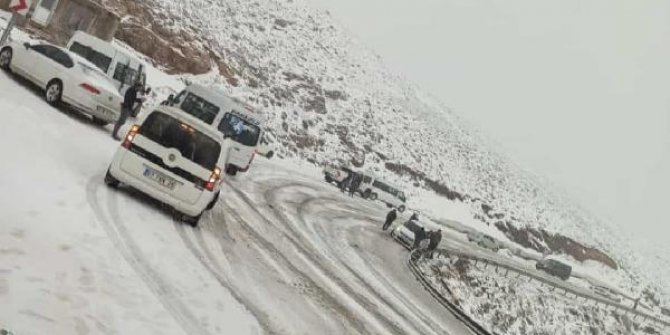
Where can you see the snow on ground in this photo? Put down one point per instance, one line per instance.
(281, 253)
(511, 305)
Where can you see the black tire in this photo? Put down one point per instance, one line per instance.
(270, 154)
(231, 170)
(6, 55)
(373, 196)
(187, 219)
(366, 194)
(111, 181)
(328, 179)
(401, 208)
(213, 202)
(100, 122)
(53, 92)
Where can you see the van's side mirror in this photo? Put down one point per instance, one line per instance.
(26, 45)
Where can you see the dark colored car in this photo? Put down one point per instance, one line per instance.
(554, 268)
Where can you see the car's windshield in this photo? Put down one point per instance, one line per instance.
(191, 143)
(239, 129)
(197, 106)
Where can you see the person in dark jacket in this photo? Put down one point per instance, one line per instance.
(435, 239)
(390, 217)
(414, 217)
(355, 184)
(419, 236)
(129, 100)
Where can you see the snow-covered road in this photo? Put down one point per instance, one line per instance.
(281, 253)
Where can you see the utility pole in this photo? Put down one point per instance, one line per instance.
(17, 7)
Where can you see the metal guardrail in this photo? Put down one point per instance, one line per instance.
(566, 291)
(450, 306)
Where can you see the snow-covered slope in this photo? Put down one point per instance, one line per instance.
(328, 98)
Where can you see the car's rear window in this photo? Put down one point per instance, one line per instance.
(239, 129)
(191, 143)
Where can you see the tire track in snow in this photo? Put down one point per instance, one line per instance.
(123, 242)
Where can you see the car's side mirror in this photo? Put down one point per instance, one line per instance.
(26, 45)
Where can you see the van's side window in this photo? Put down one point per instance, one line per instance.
(99, 59)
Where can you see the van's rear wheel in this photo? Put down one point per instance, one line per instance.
(189, 220)
(373, 196)
(213, 202)
(401, 208)
(111, 181)
(366, 194)
(99, 121)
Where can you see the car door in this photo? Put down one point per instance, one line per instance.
(53, 62)
(38, 64)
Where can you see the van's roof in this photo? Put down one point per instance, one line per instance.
(190, 120)
(221, 99)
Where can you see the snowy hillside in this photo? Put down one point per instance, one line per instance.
(327, 98)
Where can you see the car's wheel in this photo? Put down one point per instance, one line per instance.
(111, 181)
(366, 194)
(213, 202)
(100, 122)
(54, 92)
(231, 170)
(6, 58)
(189, 220)
(401, 208)
(373, 196)
(328, 179)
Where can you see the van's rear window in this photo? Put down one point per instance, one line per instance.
(100, 60)
(191, 143)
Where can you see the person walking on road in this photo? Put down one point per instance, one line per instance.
(355, 184)
(390, 217)
(129, 100)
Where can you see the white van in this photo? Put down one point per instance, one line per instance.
(376, 189)
(231, 117)
(123, 68)
(174, 158)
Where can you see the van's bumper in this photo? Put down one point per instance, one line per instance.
(143, 186)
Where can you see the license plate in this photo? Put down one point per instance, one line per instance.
(105, 111)
(160, 178)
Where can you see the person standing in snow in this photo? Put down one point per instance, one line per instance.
(435, 239)
(419, 236)
(390, 217)
(355, 184)
(129, 100)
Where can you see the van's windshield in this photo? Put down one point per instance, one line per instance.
(191, 143)
(197, 106)
(239, 129)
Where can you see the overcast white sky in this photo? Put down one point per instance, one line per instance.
(574, 90)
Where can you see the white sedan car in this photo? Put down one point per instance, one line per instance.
(65, 77)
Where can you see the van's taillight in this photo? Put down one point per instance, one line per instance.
(90, 88)
(128, 140)
(216, 175)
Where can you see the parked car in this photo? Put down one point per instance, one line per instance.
(404, 233)
(374, 188)
(484, 241)
(231, 117)
(606, 292)
(334, 174)
(65, 77)
(118, 64)
(554, 268)
(174, 158)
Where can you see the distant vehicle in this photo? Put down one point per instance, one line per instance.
(174, 158)
(554, 268)
(484, 241)
(65, 77)
(374, 188)
(234, 119)
(404, 233)
(337, 175)
(118, 64)
(606, 292)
